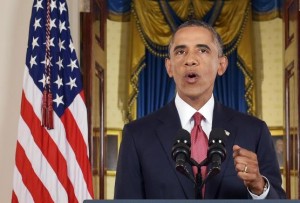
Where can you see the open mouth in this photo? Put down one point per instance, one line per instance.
(191, 77)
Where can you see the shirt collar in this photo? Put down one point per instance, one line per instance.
(186, 111)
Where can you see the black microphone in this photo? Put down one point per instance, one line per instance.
(181, 152)
(216, 153)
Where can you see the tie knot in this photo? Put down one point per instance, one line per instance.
(197, 118)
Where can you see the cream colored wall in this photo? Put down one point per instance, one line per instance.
(268, 62)
(117, 77)
(116, 84)
(13, 40)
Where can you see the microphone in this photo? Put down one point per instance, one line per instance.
(216, 153)
(181, 152)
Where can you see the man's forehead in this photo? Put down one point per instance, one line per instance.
(193, 33)
(198, 29)
(196, 40)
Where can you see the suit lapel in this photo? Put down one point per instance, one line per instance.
(166, 133)
(221, 119)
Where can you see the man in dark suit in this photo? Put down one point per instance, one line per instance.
(145, 165)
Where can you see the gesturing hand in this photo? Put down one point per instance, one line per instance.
(247, 168)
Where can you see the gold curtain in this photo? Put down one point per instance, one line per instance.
(152, 27)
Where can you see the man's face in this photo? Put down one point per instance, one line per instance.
(194, 64)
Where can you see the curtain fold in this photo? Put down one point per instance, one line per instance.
(155, 87)
(230, 88)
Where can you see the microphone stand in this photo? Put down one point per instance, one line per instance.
(198, 184)
(199, 180)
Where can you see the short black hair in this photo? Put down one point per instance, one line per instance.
(198, 23)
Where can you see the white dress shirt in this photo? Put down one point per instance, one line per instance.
(186, 113)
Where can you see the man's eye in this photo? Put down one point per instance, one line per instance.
(179, 52)
(203, 50)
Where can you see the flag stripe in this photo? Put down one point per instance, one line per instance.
(77, 143)
(80, 116)
(31, 181)
(19, 189)
(14, 198)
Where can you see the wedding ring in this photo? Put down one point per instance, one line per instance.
(245, 169)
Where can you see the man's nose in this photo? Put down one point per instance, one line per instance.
(191, 60)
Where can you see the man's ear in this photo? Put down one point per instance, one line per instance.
(168, 67)
(223, 63)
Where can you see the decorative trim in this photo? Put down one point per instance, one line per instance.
(124, 17)
(249, 86)
(164, 6)
(230, 47)
(217, 7)
(152, 47)
(133, 96)
(265, 16)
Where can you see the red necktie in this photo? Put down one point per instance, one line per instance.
(199, 143)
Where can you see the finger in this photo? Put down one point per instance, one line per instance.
(243, 160)
(246, 153)
(238, 158)
(235, 149)
(248, 178)
(239, 151)
(245, 173)
(242, 167)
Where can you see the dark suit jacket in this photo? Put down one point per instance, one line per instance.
(146, 169)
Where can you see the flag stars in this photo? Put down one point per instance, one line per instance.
(44, 80)
(37, 23)
(47, 61)
(38, 5)
(34, 42)
(59, 82)
(53, 4)
(71, 46)
(62, 26)
(72, 83)
(61, 45)
(58, 100)
(73, 64)
(60, 63)
(32, 61)
(62, 7)
(50, 42)
(52, 23)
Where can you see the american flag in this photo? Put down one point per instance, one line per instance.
(52, 165)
